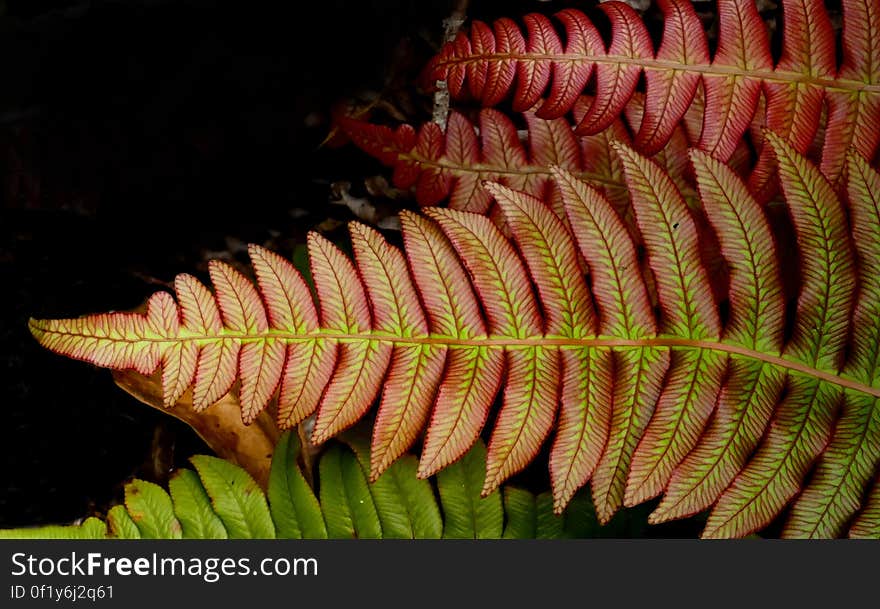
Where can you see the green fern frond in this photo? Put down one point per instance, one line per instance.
(220, 500)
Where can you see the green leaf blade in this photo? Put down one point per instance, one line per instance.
(521, 514)
(292, 502)
(152, 511)
(121, 524)
(90, 528)
(550, 525)
(467, 515)
(192, 506)
(349, 510)
(406, 505)
(236, 498)
(581, 520)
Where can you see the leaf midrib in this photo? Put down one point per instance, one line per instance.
(598, 342)
(771, 76)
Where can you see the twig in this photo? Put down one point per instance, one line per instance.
(451, 26)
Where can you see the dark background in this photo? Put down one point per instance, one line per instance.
(136, 139)
(139, 138)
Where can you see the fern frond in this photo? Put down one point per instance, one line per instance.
(219, 500)
(491, 62)
(450, 166)
(453, 165)
(651, 400)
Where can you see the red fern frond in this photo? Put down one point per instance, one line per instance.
(450, 167)
(454, 164)
(796, 88)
